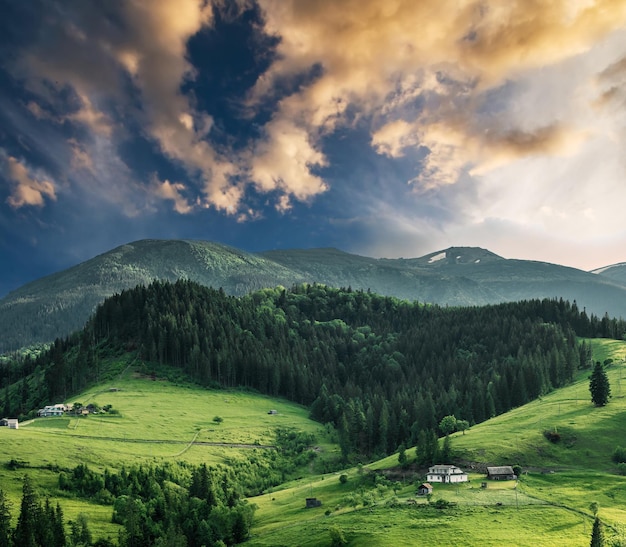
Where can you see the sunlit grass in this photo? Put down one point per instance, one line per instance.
(157, 421)
(549, 506)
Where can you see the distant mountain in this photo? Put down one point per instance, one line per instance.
(615, 272)
(61, 303)
(460, 276)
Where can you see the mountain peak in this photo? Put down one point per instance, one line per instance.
(459, 255)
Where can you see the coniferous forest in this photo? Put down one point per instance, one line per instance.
(381, 370)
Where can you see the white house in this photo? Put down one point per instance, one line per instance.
(13, 423)
(52, 410)
(446, 473)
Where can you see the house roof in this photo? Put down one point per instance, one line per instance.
(426, 485)
(501, 470)
(444, 468)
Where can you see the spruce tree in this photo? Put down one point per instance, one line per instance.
(597, 534)
(599, 385)
(5, 521)
(24, 533)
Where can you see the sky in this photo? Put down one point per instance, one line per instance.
(386, 129)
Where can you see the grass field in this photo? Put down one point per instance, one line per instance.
(163, 420)
(549, 506)
(158, 421)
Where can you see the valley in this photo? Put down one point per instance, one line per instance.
(559, 482)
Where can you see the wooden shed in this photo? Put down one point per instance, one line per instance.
(313, 502)
(424, 489)
(501, 473)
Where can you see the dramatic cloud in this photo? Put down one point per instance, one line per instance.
(285, 161)
(393, 127)
(383, 57)
(28, 188)
(173, 192)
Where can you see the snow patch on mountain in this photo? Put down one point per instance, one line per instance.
(437, 257)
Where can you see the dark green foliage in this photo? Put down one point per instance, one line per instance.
(38, 525)
(599, 386)
(597, 534)
(462, 425)
(171, 504)
(30, 513)
(82, 480)
(446, 450)
(619, 455)
(5, 521)
(379, 369)
(427, 448)
(337, 536)
(402, 458)
(80, 535)
(56, 305)
(552, 435)
(447, 425)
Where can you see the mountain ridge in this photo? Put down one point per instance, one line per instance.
(55, 305)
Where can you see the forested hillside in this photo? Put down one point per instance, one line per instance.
(56, 305)
(383, 371)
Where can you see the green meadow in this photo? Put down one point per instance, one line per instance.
(159, 420)
(548, 506)
(154, 421)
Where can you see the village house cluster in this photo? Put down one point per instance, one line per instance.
(60, 409)
(449, 474)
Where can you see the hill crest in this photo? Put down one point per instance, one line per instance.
(58, 304)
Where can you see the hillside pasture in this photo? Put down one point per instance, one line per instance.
(155, 421)
(548, 506)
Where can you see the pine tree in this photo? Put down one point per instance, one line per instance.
(5, 521)
(402, 458)
(597, 534)
(599, 385)
(24, 533)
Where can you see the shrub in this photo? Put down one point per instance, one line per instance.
(552, 436)
(343, 479)
(619, 455)
(218, 419)
(621, 468)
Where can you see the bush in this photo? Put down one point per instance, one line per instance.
(343, 479)
(218, 419)
(621, 468)
(337, 537)
(552, 436)
(619, 455)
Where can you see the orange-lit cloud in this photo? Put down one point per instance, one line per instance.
(284, 163)
(28, 188)
(380, 56)
(173, 192)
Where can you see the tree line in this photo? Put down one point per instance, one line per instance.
(161, 505)
(383, 371)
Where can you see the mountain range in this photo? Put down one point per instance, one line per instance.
(58, 304)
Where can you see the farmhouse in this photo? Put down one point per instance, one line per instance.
(446, 473)
(52, 410)
(501, 473)
(424, 489)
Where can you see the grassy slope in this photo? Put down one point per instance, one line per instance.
(545, 509)
(158, 421)
(549, 506)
